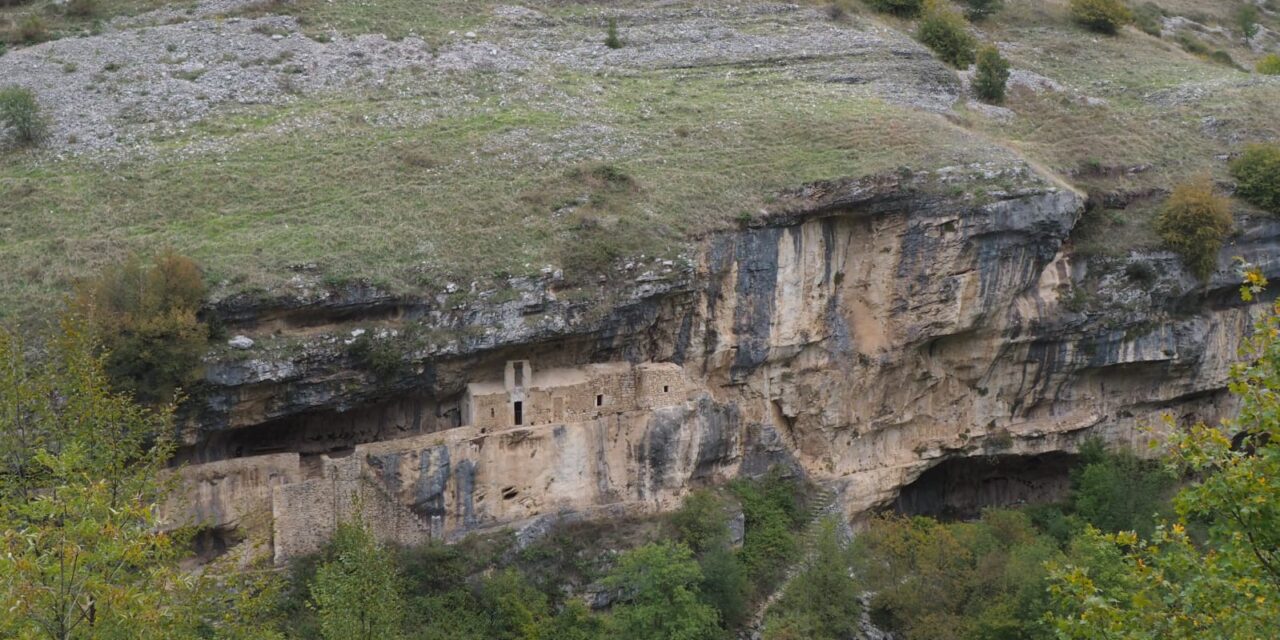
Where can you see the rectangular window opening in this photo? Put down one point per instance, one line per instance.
(599, 400)
(519, 412)
(666, 388)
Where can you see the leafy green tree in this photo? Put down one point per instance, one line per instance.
(962, 581)
(516, 610)
(145, 318)
(725, 585)
(1117, 491)
(991, 76)
(821, 602)
(1171, 586)
(770, 510)
(945, 32)
(575, 622)
(356, 592)
(660, 586)
(82, 553)
(702, 521)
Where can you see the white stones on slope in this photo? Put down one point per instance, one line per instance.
(240, 342)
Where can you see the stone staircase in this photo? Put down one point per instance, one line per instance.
(825, 503)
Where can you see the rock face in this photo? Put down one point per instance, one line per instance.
(865, 333)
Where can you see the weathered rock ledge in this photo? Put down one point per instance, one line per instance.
(865, 332)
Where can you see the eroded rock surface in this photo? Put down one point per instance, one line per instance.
(865, 333)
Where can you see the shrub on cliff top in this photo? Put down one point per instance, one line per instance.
(145, 317)
(1194, 223)
(1257, 174)
(904, 8)
(1103, 16)
(944, 31)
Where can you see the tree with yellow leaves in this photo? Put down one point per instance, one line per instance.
(1224, 582)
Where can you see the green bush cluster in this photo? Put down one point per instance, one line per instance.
(903, 8)
(1194, 223)
(821, 601)
(991, 76)
(1102, 16)
(381, 356)
(946, 33)
(771, 510)
(1269, 65)
(20, 115)
(989, 579)
(357, 592)
(1257, 174)
(146, 319)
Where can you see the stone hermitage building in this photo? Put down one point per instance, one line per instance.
(535, 443)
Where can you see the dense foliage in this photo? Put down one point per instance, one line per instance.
(145, 317)
(1224, 582)
(1257, 174)
(946, 33)
(20, 115)
(1194, 222)
(989, 578)
(356, 592)
(992, 75)
(821, 602)
(83, 553)
(1102, 16)
(659, 582)
(1118, 491)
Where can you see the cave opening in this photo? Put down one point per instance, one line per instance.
(960, 488)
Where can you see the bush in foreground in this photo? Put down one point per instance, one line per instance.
(1194, 223)
(356, 592)
(1257, 174)
(20, 114)
(1102, 16)
(946, 33)
(992, 75)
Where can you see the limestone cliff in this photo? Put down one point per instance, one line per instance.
(864, 331)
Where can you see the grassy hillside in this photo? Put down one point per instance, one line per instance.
(523, 142)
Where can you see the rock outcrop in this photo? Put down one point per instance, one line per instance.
(865, 332)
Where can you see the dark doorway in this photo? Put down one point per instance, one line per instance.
(519, 412)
